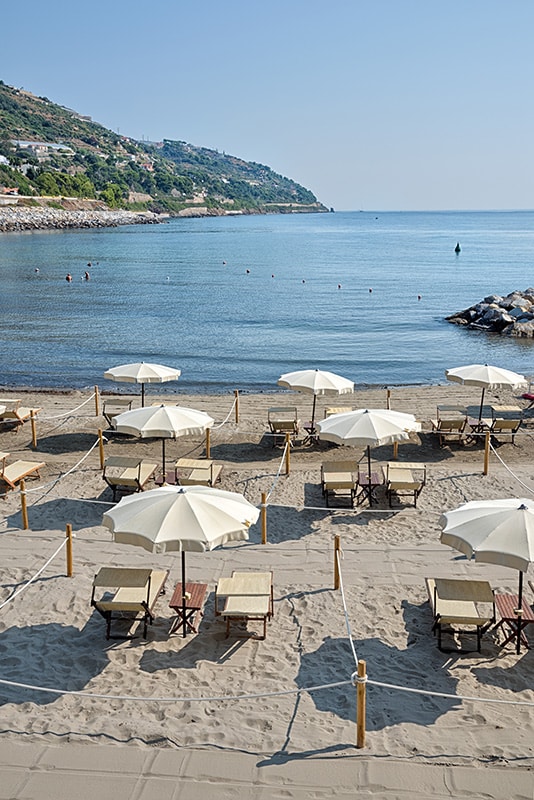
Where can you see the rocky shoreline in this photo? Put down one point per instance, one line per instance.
(17, 218)
(512, 315)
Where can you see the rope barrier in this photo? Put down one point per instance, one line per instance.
(225, 420)
(277, 476)
(345, 611)
(34, 577)
(179, 699)
(68, 413)
(524, 485)
(64, 475)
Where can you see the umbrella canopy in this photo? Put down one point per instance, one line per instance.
(165, 422)
(487, 377)
(368, 427)
(142, 373)
(495, 532)
(181, 518)
(316, 381)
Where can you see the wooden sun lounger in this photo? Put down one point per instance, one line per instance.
(16, 414)
(449, 429)
(135, 592)
(404, 480)
(339, 478)
(112, 406)
(247, 596)
(505, 427)
(282, 420)
(126, 474)
(455, 604)
(11, 474)
(198, 472)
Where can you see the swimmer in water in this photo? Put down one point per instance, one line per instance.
(68, 277)
(86, 276)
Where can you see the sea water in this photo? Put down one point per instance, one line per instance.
(236, 301)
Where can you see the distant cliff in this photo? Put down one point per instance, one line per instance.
(49, 150)
(512, 315)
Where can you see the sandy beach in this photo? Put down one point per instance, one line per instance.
(50, 636)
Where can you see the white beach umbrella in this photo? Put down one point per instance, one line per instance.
(495, 532)
(316, 382)
(165, 422)
(487, 377)
(368, 427)
(181, 518)
(142, 373)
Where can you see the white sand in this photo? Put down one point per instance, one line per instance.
(50, 635)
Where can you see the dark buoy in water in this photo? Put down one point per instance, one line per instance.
(457, 249)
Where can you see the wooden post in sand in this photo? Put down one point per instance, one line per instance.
(101, 447)
(68, 534)
(360, 704)
(388, 398)
(23, 506)
(486, 452)
(395, 451)
(337, 553)
(288, 448)
(97, 402)
(264, 517)
(34, 429)
(208, 442)
(236, 395)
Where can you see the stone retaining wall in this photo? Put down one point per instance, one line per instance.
(16, 218)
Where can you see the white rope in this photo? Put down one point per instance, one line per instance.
(429, 693)
(524, 485)
(68, 413)
(277, 476)
(178, 699)
(345, 611)
(225, 420)
(60, 477)
(34, 577)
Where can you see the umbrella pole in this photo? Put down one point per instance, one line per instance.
(481, 404)
(519, 616)
(313, 413)
(184, 601)
(142, 395)
(163, 457)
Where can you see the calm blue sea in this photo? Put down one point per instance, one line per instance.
(234, 302)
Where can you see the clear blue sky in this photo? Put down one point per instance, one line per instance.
(373, 104)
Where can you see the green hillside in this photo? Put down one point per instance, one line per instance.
(50, 150)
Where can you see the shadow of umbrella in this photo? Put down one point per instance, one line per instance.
(333, 661)
(46, 516)
(35, 647)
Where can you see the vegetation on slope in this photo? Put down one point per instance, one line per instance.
(88, 160)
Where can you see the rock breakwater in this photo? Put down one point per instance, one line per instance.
(16, 218)
(512, 315)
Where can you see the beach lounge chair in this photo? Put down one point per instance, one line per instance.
(449, 430)
(129, 593)
(505, 427)
(244, 597)
(126, 474)
(282, 420)
(12, 474)
(456, 604)
(197, 472)
(112, 406)
(14, 414)
(339, 479)
(404, 480)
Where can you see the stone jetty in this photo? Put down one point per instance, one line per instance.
(18, 218)
(512, 315)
